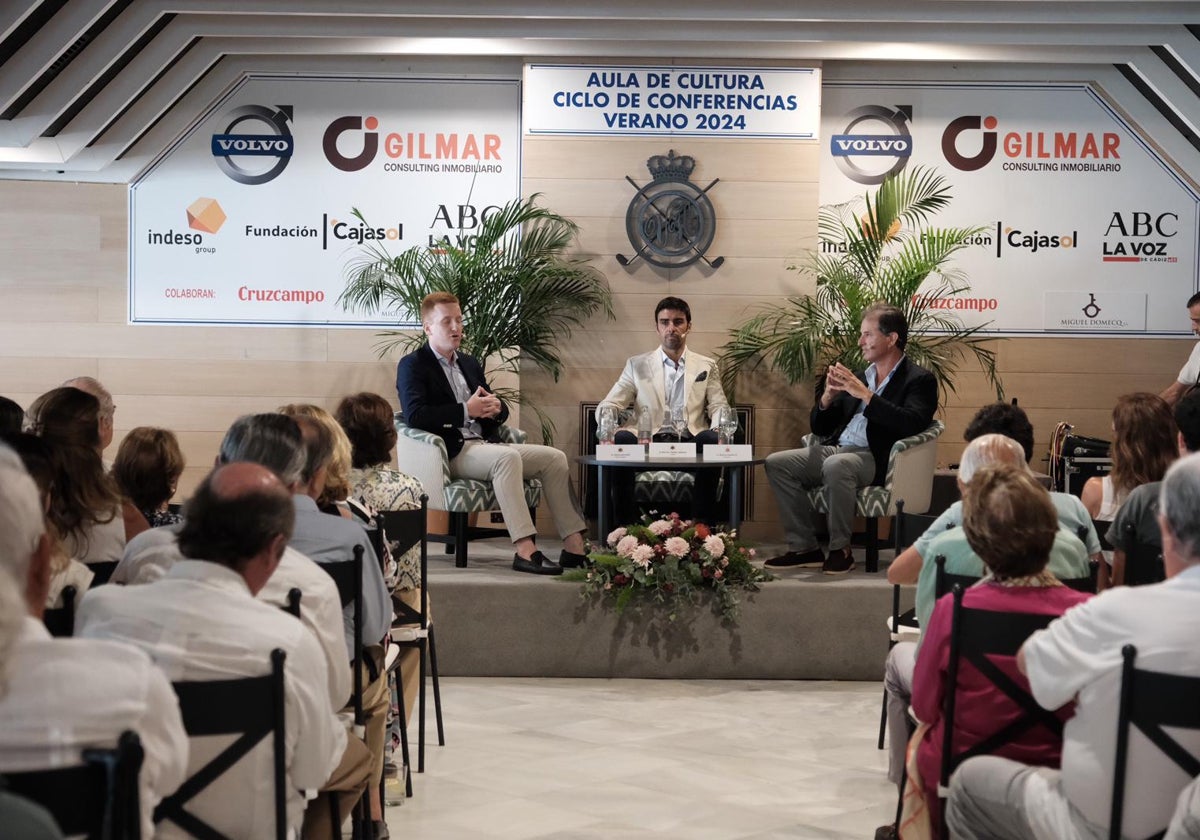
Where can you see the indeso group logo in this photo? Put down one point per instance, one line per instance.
(251, 156)
(971, 142)
(874, 144)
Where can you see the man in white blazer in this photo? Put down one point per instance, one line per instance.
(668, 377)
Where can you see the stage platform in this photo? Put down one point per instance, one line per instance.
(492, 621)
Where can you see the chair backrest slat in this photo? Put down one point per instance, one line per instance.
(946, 581)
(348, 575)
(60, 621)
(408, 528)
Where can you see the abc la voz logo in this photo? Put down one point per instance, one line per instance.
(256, 144)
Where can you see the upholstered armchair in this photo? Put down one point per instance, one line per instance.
(910, 469)
(423, 455)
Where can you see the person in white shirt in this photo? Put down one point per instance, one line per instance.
(272, 441)
(1189, 374)
(202, 622)
(1078, 657)
(61, 696)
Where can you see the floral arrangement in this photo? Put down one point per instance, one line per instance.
(671, 561)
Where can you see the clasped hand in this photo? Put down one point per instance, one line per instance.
(482, 404)
(840, 378)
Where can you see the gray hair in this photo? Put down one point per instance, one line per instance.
(93, 387)
(272, 440)
(21, 520)
(1179, 504)
(12, 613)
(990, 449)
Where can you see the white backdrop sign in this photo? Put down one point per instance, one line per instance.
(247, 219)
(1087, 230)
(673, 101)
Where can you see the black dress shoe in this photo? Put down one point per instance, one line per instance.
(538, 564)
(571, 560)
(811, 559)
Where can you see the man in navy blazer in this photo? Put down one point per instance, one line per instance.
(858, 417)
(444, 392)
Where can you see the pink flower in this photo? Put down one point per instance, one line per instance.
(677, 546)
(724, 562)
(661, 526)
(626, 545)
(714, 545)
(642, 555)
(615, 536)
(718, 574)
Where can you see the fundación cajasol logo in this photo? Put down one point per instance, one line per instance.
(874, 144)
(256, 145)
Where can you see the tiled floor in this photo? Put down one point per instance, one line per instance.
(569, 759)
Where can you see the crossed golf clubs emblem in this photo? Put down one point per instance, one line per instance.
(670, 221)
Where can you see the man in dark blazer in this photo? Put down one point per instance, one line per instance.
(444, 392)
(858, 417)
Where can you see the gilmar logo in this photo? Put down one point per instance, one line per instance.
(1139, 237)
(1028, 151)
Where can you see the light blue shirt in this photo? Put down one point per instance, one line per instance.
(462, 392)
(855, 433)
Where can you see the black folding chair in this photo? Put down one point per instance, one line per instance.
(975, 636)
(1102, 526)
(945, 581)
(102, 571)
(98, 798)
(251, 708)
(348, 576)
(1152, 701)
(293, 602)
(60, 621)
(1143, 562)
(412, 627)
(909, 526)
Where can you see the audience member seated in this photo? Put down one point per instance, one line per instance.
(1001, 418)
(86, 508)
(1079, 657)
(335, 495)
(147, 468)
(108, 410)
(1144, 445)
(272, 441)
(202, 622)
(328, 538)
(1136, 522)
(1067, 559)
(64, 571)
(367, 421)
(12, 416)
(61, 696)
(1185, 824)
(1011, 525)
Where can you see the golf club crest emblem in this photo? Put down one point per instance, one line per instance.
(670, 221)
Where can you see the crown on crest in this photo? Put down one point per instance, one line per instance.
(671, 167)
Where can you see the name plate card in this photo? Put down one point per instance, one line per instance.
(621, 452)
(729, 452)
(672, 450)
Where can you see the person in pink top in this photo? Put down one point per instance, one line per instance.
(1010, 523)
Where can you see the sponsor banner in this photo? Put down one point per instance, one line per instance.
(1092, 312)
(675, 101)
(249, 218)
(1073, 202)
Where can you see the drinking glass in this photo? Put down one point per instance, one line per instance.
(726, 423)
(606, 424)
(678, 423)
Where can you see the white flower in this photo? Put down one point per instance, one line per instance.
(615, 536)
(661, 526)
(642, 555)
(714, 545)
(676, 546)
(626, 545)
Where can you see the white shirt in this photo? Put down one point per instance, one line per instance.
(67, 694)
(674, 375)
(101, 542)
(1189, 374)
(151, 553)
(1080, 654)
(855, 433)
(201, 623)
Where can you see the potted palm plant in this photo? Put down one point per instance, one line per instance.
(889, 252)
(521, 292)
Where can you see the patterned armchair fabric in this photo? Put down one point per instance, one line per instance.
(909, 477)
(423, 455)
